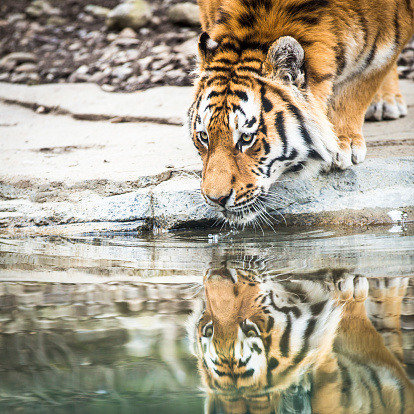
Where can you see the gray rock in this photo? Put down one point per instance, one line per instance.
(128, 33)
(18, 57)
(27, 68)
(134, 14)
(122, 72)
(56, 21)
(184, 13)
(41, 7)
(13, 18)
(179, 201)
(29, 78)
(188, 48)
(97, 11)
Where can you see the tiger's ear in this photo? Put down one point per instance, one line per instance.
(206, 47)
(285, 60)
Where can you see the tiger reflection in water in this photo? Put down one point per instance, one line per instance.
(302, 346)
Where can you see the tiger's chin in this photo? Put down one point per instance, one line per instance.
(240, 219)
(249, 214)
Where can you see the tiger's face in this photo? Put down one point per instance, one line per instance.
(255, 337)
(253, 118)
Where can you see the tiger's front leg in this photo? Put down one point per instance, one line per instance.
(388, 103)
(346, 112)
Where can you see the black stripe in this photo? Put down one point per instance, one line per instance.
(242, 364)
(285, 339)
(319, 78)
(371, 54)
(267, 105)
(402, 398)
(317, 308)
(242, 95)
(223, 16)
(346, 384)
(266, 146)
(270, 324)
(248, 373)
(409, 7)
(397, 27)
(218, 79)
(218, 68)
(340, 58)
(308, 332)
(307, 7)
(311, 21)
(371, 399)
(314, 155)
(250, 59)
(248, 69)
(375, 379)
(247, 19)
(271, 365)
(280, 127)
(250, 123)
(213, 94)
(293, 155)
(225, 61)
(256, 349)
(304, 132)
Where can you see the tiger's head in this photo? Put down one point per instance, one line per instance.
(255, 340)
(254, 118)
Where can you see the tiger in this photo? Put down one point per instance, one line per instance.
(299, 346)
(284, 85)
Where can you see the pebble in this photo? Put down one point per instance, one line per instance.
(184, 13)
(134, 14)
(97, 11)
(127, 33)
(19, 57)
(122, 72)
(27, 68)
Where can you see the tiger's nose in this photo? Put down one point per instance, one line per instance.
(221, 201)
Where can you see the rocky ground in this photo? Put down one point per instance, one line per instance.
(49, 41)
(75, 41)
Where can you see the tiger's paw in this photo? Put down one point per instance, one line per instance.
(383, 289)
(350, 154)
(386, 107)
(351, 289)
(343, 159)
(359, 152)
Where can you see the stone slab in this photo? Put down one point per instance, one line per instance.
(63, 175)
(60, 149)
(167, 104)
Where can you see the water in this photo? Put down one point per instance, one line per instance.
(105, 324)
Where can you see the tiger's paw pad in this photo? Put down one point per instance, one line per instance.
(386, 110)
(352, 289)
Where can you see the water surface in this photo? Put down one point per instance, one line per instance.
(106, 323)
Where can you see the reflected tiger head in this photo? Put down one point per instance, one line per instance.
(256, 338)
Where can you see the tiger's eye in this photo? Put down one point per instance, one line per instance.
(208, 331)
(251, 333)
(203, 136)
(246, 138)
